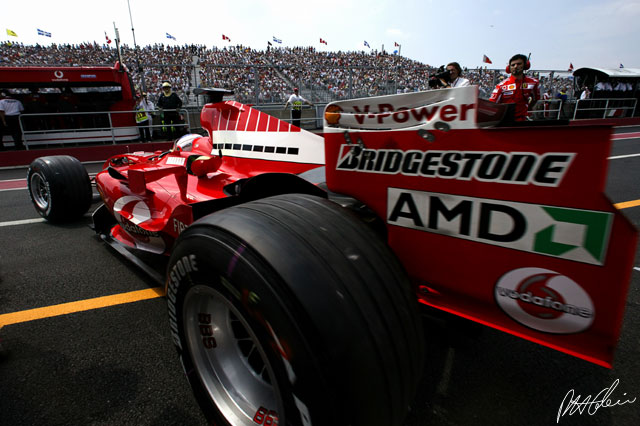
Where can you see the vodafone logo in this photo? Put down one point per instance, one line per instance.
(132, 208)
(59, 76)
(544, 300)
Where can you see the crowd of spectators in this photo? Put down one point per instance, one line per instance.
(261, 76)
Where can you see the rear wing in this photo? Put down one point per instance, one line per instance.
(509, 227)
(255, 142)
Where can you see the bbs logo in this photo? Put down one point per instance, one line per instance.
(544, 300)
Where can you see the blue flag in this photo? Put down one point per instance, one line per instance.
(277, 40)
(367, 44)
(621, 66)
(170, 36)
(43, 33)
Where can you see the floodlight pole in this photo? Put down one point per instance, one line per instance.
(132, 30)
(135, 47)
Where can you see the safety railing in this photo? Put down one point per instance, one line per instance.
(548, 109)
(577, 109)
(96, 127)
(72, 128)
(311, 119)
(604, 108)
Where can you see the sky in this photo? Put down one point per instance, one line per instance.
(557, 33)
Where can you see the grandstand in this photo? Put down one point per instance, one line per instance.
(260, 77)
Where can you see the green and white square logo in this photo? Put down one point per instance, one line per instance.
(567, 233)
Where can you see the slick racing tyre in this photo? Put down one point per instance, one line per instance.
(288, 310)
(59, 188)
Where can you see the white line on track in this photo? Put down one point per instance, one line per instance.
(617, 157)
(21, 222)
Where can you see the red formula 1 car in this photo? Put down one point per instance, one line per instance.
(293, 287)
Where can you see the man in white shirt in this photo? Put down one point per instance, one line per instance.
(296, 106)
(619, 88)
(604, 85)
(456, 80)
(10, 110)
(602, 90)
(586, 93)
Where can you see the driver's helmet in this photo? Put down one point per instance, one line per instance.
(185, 143)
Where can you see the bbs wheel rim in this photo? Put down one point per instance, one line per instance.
(229, 359)
(40, 191)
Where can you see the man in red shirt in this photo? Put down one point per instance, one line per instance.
(518, 89)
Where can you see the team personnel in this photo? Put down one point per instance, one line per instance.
(10, 110)
(143, 117)
(518, 89)
(170, 100)
(296, 106)
(456, 79)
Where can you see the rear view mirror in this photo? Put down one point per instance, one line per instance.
(201, 165)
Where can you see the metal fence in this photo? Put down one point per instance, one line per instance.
(605, 108)
(47, 129)
(580, 109)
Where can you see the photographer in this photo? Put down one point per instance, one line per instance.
(451, 77)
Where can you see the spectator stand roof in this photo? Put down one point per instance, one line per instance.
(604, 73)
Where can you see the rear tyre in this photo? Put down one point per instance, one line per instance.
(288, 310)
(59, 187)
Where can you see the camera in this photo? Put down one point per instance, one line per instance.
(441, 74)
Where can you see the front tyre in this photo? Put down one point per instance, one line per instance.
(288, 310)
(59, 187)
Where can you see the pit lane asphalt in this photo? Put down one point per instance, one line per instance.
(117, 366)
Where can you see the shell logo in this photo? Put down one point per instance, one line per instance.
(132, 208)
(332, 114)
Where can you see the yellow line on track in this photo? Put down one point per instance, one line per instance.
(627, 204)
(80, 306)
